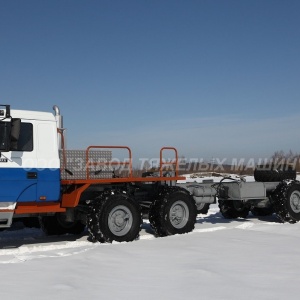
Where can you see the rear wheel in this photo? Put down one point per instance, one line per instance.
(232, 209)
(262, 211)
(203, 208)
(57, 225)
(286, 201)
(114, 217)
(173, 212)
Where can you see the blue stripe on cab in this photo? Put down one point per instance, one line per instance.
(24, 185)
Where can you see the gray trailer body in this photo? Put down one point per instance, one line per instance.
(207, 192)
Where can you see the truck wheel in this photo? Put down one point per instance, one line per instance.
(173, 212)
(262, 211)
(286, 201)
(232, 209)
(114, 217)
(57, 225)
(203, 208)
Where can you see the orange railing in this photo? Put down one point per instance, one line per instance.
(174, 163)
(89, 164)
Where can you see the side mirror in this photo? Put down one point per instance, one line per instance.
(9, 135)
(15, 133)
(5, 136)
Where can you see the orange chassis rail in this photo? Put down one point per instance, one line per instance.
(78, 186)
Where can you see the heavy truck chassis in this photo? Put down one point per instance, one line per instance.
(113, 208)
(67, 199)
(114, 211)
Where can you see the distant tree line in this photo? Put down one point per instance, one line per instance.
(242, 167)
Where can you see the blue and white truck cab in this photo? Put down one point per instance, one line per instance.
(29, 159)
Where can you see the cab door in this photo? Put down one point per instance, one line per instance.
(17, 181)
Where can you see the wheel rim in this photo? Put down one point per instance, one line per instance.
(120, 220)
(179, 214)
(295, 201)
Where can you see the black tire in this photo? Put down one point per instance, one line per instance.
(262, 211)
(232, 209)
(173, 212)
(57, 225)
(114, 217)
(272, 174)
(203, 208)
(286, 201)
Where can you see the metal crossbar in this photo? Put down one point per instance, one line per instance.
(107, 163)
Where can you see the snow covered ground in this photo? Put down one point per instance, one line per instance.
(220, 259)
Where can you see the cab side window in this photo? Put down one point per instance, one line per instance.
(25, 142)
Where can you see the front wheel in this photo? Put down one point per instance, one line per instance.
(173, 212)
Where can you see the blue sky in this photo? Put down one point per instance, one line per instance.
(212, 78)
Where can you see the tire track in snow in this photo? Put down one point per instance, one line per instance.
(210, 229)
(25, 253)
(245, 226)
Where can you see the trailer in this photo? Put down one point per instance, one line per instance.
(70, 190)
(279, 194)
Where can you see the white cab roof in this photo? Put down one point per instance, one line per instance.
(32, 115)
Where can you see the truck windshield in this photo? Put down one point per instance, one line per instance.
(4, 136)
